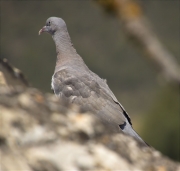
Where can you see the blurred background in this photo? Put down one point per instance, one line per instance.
(152, 103)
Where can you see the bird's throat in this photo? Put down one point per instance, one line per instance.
(64, 49)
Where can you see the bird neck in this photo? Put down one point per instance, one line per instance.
(64, 46)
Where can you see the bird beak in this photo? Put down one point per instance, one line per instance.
(44, 29)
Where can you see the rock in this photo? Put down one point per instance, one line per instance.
(39, 132)
(11, 76)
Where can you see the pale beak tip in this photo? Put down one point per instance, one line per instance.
(40, 31)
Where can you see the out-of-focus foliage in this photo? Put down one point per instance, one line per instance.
(163, 119)
(99, 39)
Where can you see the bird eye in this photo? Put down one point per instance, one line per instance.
(48, 24)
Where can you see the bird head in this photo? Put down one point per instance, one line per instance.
(53, 24)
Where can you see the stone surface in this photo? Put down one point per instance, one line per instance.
(40, 133)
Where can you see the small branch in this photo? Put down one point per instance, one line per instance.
(136, 26)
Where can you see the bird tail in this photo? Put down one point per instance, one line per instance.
(136, 136)
(130, 131)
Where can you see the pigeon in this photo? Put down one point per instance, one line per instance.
(74, 82)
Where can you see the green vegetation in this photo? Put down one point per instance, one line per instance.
(164, 120)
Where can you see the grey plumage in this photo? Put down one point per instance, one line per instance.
(74, 82)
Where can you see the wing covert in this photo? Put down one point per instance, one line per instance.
(85, 91)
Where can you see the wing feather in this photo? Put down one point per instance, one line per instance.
(87, 93)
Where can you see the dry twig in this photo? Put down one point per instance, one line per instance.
(137, 27)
